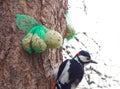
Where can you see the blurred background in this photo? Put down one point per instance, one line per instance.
(97, 30)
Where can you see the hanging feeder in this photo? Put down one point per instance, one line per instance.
(70, 31)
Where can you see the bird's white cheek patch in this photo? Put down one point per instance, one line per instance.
(83, 59)
(65, 78)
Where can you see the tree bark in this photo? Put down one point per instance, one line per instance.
(18, 69)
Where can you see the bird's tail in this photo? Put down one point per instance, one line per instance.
(59, 85)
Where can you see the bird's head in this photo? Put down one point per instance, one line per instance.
(84, 57)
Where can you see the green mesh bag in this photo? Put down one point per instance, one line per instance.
(70, 31)
(38, 37)
(26, 41)
(38, 44)
(39, 30)
(25, 22)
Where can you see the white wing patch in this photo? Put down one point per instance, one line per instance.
(64, 77)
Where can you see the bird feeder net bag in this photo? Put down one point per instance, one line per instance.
(26, 41)
(70, 31)
(37, 42)
(34, 40)
(38, 37)
(25, 22)
(39, 30)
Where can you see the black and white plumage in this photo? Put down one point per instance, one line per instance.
(71, 71)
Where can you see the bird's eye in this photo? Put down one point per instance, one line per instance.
(87, 58)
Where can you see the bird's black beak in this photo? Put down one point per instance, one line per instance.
(92, 61)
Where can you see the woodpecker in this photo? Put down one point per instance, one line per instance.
(71, 71)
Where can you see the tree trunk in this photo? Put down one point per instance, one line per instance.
(18, 69)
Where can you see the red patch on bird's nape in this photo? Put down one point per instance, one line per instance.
(78, 54)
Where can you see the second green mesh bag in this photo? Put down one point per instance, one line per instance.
(70, 31)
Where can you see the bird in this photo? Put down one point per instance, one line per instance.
(71, 71)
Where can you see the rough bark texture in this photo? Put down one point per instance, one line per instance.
(19, 70)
